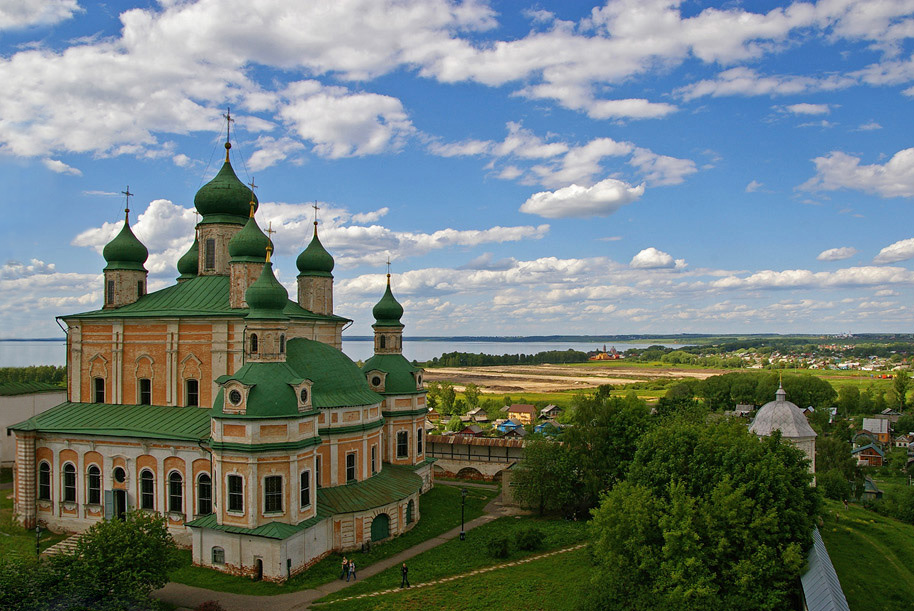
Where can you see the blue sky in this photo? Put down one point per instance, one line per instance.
(638, 166)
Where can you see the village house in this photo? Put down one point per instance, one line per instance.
(869, 456)
(878, 427)
(522, 412)
(550, 412)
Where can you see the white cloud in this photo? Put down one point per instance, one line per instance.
(662, 169)
(838, 170)
(271, 151)
(808, 109)
(802, 278)
(868, 127)
(744, 81)
(16, 269)
(899, 251)
(651, 258)
(55, 165)
(16, 14)
(753, 186)
(602, 199)
(837, 254)
(485, 261)
(370, 217)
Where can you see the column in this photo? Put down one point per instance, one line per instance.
(26, 476)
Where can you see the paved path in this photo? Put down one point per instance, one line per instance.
(188, 597)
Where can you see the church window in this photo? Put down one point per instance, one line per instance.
(69, 483)
(145, 391)
(175, 492)
(272, 494)
(209, 250)
(402, 444)
(374, 459)
(204, 495)
(140, 288)
(94, 487)
(218, 555)
(109, 298)
(418, 441)
(305, 495)
(192, 393)
(44, 481)
(120, 475)
(317, 471)
(383, 341)
(254, 346)
(282, 344)
(375, 380)
(350, 467)
(235, 493)
(303, 394)
(147, 490)
(235, 397)
(99, 388)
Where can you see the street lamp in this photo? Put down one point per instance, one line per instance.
(463, 502)
(37, 540)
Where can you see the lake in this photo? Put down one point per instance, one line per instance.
(24, 353)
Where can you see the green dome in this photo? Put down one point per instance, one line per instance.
(224, 199)
(388, 311)
(188, 264)
(400, 378)
(266, 297)
(249, 244)
(314, 260)
(125, 251)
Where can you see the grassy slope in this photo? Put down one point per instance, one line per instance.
(457, 557)
(557, 583)
(6, 475)
(13, 538)
(439, 513)
(873, 556)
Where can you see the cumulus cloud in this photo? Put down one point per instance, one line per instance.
(803, 278)
(899, 251)
(838, 170)
(17, 269)
(753, 186)
(27, 13)
(742, 81)
(651, 258)
(486, 261)
(271, 151)
(55, 165)
(837, 254)
(602, 199)
(808, 109)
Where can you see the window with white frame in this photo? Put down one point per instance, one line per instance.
(147, 490)
(204, 494)
(305, 489)
(350, 467)
(272, 494)
(175, 492)
(418, 442)
(235, 493)
(69, 483)
(44, 481)
(94, 485)
(402, 444)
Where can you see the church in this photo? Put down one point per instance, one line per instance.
(229, 408)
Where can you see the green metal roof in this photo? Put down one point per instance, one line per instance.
(399, 379)
(273, 530)
(392, 484)
(147, 421)
(266, 297)
(388, 311)
(315, 260)
(249, 244)
(9, 389)
(125, 251)
(224, 199)
(188, 264)
(200, 296)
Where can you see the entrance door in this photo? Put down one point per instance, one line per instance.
(258, 569)
(380, 527)
(120, 504)
(409, 512)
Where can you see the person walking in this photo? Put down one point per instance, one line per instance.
(351, 571)
(345, 569)
(405, 573)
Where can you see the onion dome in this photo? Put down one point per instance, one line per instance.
(249, 244)
(388, 311)
(188, 264)
(266, 297)
(314, 260)
(224, 199)
(125, 251)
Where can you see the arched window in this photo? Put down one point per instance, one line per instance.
(209, 254)
(94, 485)
(418, 441)
(191, 393)
(147, 490)
(204, 494)
(44, 481)
(99, 389)
(144, 391)
(218, 555)
(402, 444)
(253, 343)
(69, 483)
(282, 344)
(317, 471)
(305, 489)
(175, 492)
(235, 493)
(350, 467)
(383, 341)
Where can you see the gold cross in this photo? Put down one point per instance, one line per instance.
(127, 193)
(228, 122)
(316, 208)
(271, 231)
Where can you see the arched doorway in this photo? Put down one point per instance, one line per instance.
(470, 473)
(258, 569)
(380, 527)
(409, 512)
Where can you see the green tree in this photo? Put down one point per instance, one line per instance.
(471, 394)
(900, 385)
(548, 478)
(710, 517)
(834, 485)
(455, 423)
(446, 397)
(834, 453)
(848, 400)
(904, 425)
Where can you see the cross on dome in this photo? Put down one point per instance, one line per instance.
(228, 125)
(127, 195)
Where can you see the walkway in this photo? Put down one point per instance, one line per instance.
(188, 597)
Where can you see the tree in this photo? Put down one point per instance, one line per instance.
(900, 385)
(709, 517)
(471, 394)
(904, 425)
(848, 400)
(455, 424)
(446, 397)
(548, 478)
(835, 453)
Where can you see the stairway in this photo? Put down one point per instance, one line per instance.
(66, 546)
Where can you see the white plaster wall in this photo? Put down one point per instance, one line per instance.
(14, 410)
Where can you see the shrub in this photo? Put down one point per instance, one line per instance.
(499, 548)
(834, 485)
(529, 539)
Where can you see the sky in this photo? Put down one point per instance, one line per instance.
(530, 168)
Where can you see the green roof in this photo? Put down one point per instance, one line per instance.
(392, 484)
(249, 244)
(315, 260)
(387, 311)
(188, 264)
(147, 421)
(224, 199)
(399, 379)
(199, 296)
(335, 382)
(8, 389)
(266, 297)
(125, 251)
(273, 530)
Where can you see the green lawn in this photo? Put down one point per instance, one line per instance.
(13, 538)
(440, 512)
(873, 556)
(556, 583)
(457, 557)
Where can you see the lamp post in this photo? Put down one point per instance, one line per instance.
(463, 502)
(37, 540)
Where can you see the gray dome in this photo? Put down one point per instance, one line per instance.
(781, 415)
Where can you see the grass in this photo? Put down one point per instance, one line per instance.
(457, 557)
(873, 556)
(16, 540)
(439, 513)
(6, 475)
(556, 583)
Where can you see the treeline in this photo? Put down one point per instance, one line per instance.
(723, 354)
(34, 373)
(470, 359)
(726, 391)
